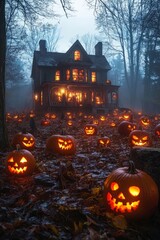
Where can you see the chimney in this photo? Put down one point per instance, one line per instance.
(42, 46)
(98, 49)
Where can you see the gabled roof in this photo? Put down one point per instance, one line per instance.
(51, 59)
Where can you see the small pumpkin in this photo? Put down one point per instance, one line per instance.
(20, 162)
(103, 142)
(157, 130)
(140, 138)
(45, 122)
(144, 121)
(131, 192)
(125, 127)
(25, 140)
(90, 129)
(61, 144)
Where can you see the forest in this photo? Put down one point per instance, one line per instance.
(67, 195)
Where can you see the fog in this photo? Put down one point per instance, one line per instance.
(19, 98)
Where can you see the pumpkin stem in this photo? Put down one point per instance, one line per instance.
(131, 168)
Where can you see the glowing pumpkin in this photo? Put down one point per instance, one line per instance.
(103, 142)
(157, 130)
(90, 129)
(140, 138)
(131, 192)
(145, 121)
(45, 122)
(25, 140)
(61, 144)
(20, 162)
(125, 127)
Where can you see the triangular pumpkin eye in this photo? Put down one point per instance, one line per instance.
(23, 160)
(25, 139)
(11, 159)
(134, 191)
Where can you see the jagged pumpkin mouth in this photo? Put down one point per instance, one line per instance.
(119, 206)
(17, 170)
(64, 145)
(140, 143)
(90, 131)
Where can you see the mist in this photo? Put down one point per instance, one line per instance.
(19, 98)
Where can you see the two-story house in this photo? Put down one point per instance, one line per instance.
(72, 81)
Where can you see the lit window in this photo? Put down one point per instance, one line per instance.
(77, 55)
(67, 74)
(78, 75)
(57, 75)
(93, 77)
(75, 74)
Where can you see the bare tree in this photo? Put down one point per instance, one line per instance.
(23, 10)
(124, 24)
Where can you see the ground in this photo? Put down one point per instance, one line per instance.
(63, 197)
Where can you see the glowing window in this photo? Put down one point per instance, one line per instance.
(93, 77)
(57, 75)
(78, 75)
(67, 74)
(75, 74)
(77, 55)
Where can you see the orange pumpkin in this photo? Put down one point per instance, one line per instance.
(61, 144)
(20, 162)
(125, 127)
(145, 121)
(157, 130)
(45, 122)
(131, 192)
(25, 140)
(140, 138)
(103, 142)
(90, 129)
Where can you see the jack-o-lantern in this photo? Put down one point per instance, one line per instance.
(70, 123)
(102, 118)
(131, 192)
(103, 142)
(61, 144)
(90, 129)
(157, 130)
(45, 122)
(144, 121)
(140, 138)
(20, 162)
(25, 140)
(125, 127)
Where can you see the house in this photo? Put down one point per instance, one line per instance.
(72, 81)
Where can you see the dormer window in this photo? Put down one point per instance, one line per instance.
(57, 75)
(77, 55)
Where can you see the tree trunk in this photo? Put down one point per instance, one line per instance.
(3, 129)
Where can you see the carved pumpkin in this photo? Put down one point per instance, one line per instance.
(20, 162)
(45, 122)
(25, 140)
(125, 127)
(90, 129)
(157, 130)
(140, 138)
(70, 123)
(61, 144)
(145, 121)
(131, 192)
(103, 142)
